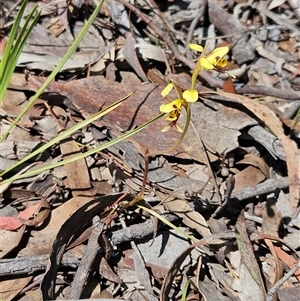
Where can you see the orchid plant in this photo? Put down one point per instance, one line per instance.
(212, 61)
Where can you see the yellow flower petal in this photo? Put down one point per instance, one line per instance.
(190, 95)
(167, 90)
(171, 106)
(217, 54)
(205, 64)
(196, 47)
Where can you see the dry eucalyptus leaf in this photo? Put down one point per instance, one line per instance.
(247, 177)
(190, 217)
(9, 240)
(78, 178)
(249, 273)
(257, 162)
(9, 289)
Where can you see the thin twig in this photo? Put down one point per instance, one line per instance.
(266, 187)
(230, 181)
(279, 283)
(256, 89)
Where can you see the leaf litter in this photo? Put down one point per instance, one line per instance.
(69, 232)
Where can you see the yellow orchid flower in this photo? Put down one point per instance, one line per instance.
(190, 95)
(196, 47)
(167, 90)
(213, 60)
(173, 108)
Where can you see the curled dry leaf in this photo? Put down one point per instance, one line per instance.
(257, 162)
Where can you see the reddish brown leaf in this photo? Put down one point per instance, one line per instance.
(228, 86)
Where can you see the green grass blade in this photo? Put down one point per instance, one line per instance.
(185, 290)
(5, 60)
(24, 33)
(67, 133)
(16, 49)
(57, 68)
(83, 155)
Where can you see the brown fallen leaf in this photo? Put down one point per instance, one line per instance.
(248, 176)
(78, 178)
(288, 260)
(12, 287)
(256, 161)
(9, 240)
(228, 86)
(131, 57)
(190, 217)
(270, 225)
(107, 272)
(40, 216)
